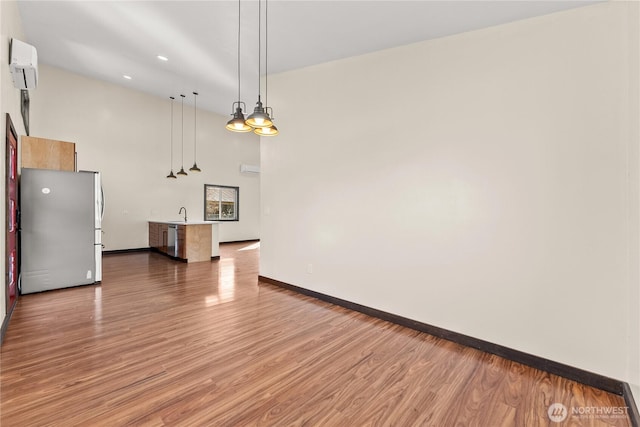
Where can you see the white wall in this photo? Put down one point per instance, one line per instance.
(482, 183)
(125, 134)
(10, 27)
(633, 295)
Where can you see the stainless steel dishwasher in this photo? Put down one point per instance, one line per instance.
(172, 240)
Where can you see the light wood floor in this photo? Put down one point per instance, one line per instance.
(204, 344)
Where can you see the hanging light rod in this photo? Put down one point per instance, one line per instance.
(182, 171)
(171, 175)
(259, 118)
(270, 130)
(237, 124)
(195, 167)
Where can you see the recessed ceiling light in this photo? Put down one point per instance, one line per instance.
(162, 58)
(126, 77)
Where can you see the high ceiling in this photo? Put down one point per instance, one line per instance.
(108, 39)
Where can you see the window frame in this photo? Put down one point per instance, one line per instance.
(237, 202)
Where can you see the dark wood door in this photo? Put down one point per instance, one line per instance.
(12, 216)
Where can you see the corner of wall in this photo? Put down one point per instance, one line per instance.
(633, 360)
(10, 26)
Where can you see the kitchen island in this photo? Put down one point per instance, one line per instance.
(191, 241)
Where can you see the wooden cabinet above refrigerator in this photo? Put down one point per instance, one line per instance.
(41, 153)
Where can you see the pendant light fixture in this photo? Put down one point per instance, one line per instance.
(271, 130)
(195, 167)
(259, 118)
(171, 175)
(237, 124)
(181, 171)
(267, 131)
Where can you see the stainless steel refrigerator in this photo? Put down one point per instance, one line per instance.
(60, 229)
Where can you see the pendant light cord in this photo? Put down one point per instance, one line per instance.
(182, 132)
(172, 98)
(238, 53)
(259, 43)
(195, 134)
(266, 53)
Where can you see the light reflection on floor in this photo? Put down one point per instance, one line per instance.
(227, 279)
(97, 301)
(252, 246)
(226, 283)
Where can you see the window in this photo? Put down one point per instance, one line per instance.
(220, 203)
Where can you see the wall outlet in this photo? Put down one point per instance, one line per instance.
(310, 268)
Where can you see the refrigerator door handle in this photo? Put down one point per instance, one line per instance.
(101, 203)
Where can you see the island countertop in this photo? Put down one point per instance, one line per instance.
(181, 222)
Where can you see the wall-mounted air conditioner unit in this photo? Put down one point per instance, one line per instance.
(23, 65)
(249, 169)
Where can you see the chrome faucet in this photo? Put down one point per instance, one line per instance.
(185, 213)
